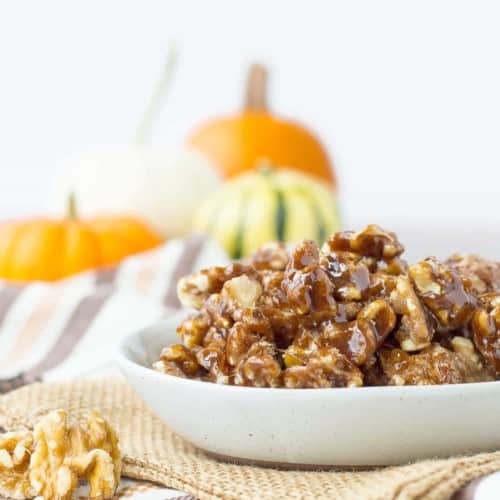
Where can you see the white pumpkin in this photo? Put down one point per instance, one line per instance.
(164, 187)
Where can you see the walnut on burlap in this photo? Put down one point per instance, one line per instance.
(152, 452)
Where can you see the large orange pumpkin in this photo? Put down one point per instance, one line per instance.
(240, 142)
(49, 249)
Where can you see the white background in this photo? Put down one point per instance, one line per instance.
(405, 94)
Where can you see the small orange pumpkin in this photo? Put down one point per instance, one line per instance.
(50, 249)
(239, 143)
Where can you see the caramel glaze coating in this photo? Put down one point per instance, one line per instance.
(349, 314)
(483, 274)
(486, 330)
(447, 294)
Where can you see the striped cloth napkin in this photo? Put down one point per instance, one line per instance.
(70, 328)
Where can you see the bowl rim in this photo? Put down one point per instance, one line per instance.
(123, 360)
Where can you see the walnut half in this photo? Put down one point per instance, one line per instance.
(444, 292)
(50, 461)
(486, 330)
(435, 365)
(414, 332)
(15, 451)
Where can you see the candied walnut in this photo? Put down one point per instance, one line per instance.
(193, 330)
(15, 453)
(414, 331)
(271, 256)
(381, 285)
(219, 311)
(239, 341)
(259, 367)
(381, 315)
(215, 337)
(305, 255)
(443, 292)
(256, 321)
(213, 359)
(372, 241)
(433, 365)
(310, 291)
(243, 334)
(304, 344)
(177, 360)
(471, 364)
(393, 267)
(357, 340)
(271, 284)
(338, 242)
(307, 286)
(329, 317)
(347, 311)
(483, 274)
(273, 296)
(486, 330)
(373, 373)
(351, 258)
(49, 461)
(326, 367)
(194, 290)
(285, 324)
(241, 292)
(349, 275)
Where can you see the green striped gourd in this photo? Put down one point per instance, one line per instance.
(268, 205)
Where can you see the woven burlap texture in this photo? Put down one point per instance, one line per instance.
(152, 452)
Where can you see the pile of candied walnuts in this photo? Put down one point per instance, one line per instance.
(49, 461)
(349, 314)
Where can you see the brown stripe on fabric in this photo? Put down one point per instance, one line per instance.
(192, 248)
(106, 276)
(76, 327)
(33, 327)
(10, 384)
(8, 296)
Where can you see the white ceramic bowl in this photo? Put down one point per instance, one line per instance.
(335, 427)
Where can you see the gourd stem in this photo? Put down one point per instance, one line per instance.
(264, 166)
(72, 213)
(256, 94)
(143, 133)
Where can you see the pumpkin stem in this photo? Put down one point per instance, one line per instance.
(144, 130)
(256, 95)
(72, 212)
(264, 166)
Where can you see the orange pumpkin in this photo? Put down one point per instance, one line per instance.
(49, 249)
(239, 143)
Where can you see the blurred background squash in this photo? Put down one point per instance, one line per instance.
(239, 143)
(51, 249)
(267, 205)
(159, 185)
(162, 187)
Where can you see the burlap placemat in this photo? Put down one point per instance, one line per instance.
(152, 452)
